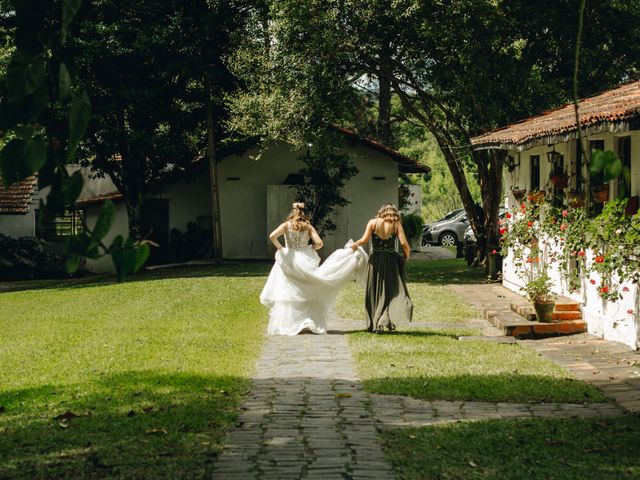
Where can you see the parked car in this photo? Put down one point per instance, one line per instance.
(447, 231)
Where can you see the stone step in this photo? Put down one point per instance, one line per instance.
(514, 325)
(560, 313)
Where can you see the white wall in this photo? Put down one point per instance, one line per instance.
(23, 225)
(608, 320)
(243, 195)
(120, 227)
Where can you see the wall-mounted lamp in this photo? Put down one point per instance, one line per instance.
(554, 157)
(510, 163)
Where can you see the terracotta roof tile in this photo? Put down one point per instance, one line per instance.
(604, 111)
(17, 198)
(98, 199)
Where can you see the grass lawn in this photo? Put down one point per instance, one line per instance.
(433, 364)
(132, 380)
(545, 449)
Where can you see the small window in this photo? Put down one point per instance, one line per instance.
(624, 180)
(534, 162)
(71, 223)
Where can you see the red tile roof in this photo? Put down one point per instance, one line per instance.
(606, 111)
(17, 198)
(113, 196)
(406, 164)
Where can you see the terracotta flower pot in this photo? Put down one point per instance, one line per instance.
(560, 181)
(544, 311)
(600, 194)
(518, 193)
(575, 199)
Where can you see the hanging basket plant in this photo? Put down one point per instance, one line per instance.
(518, 193)
(600, 193)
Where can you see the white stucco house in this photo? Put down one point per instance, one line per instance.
(610, 121)
(18, 204)
(256, 193)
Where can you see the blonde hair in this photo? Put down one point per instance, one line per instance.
(389, 210)
(298, 217)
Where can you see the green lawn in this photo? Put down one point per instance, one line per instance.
(154, 369)
(434, 364)
(543, 449)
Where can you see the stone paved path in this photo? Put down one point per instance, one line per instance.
(306, 417)
(395, 411)
(611, 366)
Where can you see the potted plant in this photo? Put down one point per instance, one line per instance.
(518, 193)
(575, 199)
(600, 193)
(539, 293)
(559, 179)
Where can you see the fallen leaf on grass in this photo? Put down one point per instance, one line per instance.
(412, 437)
(156, 431)
(63, 425)
(68, 415)
(472, 463)
(343, 395)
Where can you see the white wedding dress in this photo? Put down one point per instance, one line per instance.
(300, 293)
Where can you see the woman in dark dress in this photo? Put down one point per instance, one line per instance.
(387, 298)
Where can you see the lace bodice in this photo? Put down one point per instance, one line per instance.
(380, 245)
(296, 239)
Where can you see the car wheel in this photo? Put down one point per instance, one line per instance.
(448, 239)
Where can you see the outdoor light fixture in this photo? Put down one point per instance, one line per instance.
(510, 163)
(554, 157)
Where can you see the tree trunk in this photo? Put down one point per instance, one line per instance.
(213, 175)
(490, 164)
(384, 98)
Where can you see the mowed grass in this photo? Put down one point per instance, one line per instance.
(132, 380)
(433, 364)
(432, 301)
(544, 449)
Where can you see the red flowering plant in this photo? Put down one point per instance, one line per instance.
(614, 239)
(521, 238)
(566, 230)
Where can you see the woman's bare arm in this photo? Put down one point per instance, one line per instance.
(366, 236)
(404, 244)
(317, 241)
(277, 233)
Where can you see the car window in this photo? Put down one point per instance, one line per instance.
(450, 215)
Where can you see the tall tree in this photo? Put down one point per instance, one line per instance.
(156, 72)
(459, 68)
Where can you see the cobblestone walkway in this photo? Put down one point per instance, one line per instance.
(306, 417)
(395, 411)
(611, 366)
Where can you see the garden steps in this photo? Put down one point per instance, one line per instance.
(519, 320)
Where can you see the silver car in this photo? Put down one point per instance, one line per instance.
(448, 231)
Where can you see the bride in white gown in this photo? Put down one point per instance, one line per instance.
(300, 293)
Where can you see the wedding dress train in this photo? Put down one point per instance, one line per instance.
(300, 293)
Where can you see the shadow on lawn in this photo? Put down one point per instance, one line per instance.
(245, 269)
(129, 425)
(504, 387)
(519, 449)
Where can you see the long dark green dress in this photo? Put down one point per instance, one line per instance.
(387, 298)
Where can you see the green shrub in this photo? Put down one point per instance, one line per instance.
(412, 224)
